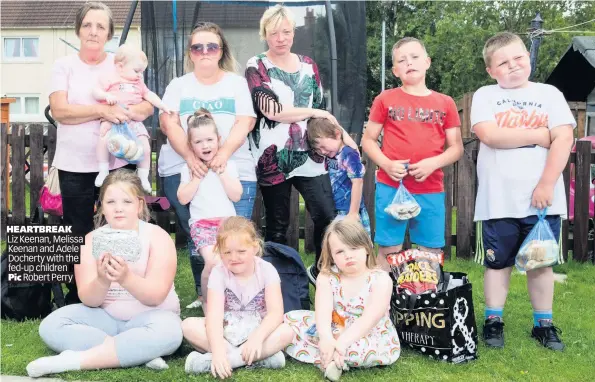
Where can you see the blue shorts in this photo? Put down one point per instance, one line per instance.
(245, 205)
(502, 238)
(426, 229)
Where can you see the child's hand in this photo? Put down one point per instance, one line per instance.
(422, 169)
(326, 348)
(397, 169)
(353, 217)
(220, 365)
(166, 110)
(543, 195)
(117, 269)
(339, 354)
(544, 137)
(102, 270)
(251, 350)
(111, 99)
(219, 162)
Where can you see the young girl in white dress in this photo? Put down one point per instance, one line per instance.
(349, 328)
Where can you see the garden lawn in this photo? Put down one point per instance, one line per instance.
(522, 359)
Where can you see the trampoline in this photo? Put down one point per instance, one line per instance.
(337, 44)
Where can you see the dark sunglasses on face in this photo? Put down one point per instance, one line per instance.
(209, 49)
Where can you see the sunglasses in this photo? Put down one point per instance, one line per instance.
(209, 49)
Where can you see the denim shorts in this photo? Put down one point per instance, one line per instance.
(426, 229)
(245, 206)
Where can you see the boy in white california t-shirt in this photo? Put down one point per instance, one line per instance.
(526, 133)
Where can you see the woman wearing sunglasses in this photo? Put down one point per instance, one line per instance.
(211, 82)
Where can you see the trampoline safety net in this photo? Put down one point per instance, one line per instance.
(164, 40)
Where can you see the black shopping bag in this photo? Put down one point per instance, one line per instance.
(438, 324)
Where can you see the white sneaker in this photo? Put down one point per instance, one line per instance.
(276, 361)
(194, 305)
(157, 364)
(198, 363)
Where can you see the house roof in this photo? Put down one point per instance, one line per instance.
(575, 73)
(56, 14)
(585, 45)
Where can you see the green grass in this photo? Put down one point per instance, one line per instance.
(522, 359)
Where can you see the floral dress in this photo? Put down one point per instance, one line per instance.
(380, 346)
(281, 150)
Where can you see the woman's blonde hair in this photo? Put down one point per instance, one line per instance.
(353, 235)
(132, 182)
(235, 226)
(273, 17)
(227, 61)
(96, 6)
(201, 117)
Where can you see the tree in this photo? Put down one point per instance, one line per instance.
(454, 34)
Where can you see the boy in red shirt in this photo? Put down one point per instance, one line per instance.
(416, 123)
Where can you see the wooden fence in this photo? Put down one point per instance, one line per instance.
(28, 152)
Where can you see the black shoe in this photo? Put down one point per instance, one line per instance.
(312, 274)
(547, 335)
(493, 332)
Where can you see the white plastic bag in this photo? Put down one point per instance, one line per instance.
(540, 248)
(124, 144)
(403, 206)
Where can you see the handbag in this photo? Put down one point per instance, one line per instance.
(51, 198)
(441, 324)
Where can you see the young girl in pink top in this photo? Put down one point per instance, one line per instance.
(351, 326)
(129, 314)
(124, 86)
(244, 320)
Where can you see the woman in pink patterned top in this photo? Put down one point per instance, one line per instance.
(130, 310)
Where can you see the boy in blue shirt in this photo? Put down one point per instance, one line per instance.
(345, 170)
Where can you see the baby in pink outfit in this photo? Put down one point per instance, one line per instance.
(125, 86)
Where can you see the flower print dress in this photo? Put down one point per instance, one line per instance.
(380, 346)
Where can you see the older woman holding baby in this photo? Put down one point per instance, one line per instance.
(78, 114)
(211, 83)
(129, 314)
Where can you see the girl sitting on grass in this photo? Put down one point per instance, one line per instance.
(244, 318)
(129, 314)
(351, 326)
